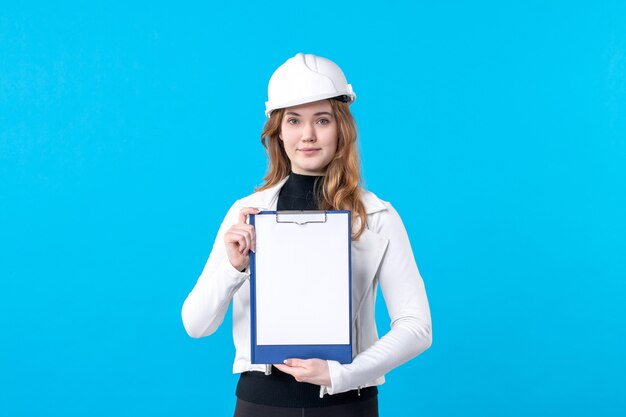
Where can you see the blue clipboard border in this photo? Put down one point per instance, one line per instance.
(271, 354)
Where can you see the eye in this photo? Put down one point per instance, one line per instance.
(292, 121)
(323, 121)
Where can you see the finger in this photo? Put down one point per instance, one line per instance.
(236, 236)
(248, 230)
(244, 242)
(294, 362)
(243, 214)
(283, 368)
(247, 236)
(244, 227)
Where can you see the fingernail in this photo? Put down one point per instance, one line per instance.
(285, 361)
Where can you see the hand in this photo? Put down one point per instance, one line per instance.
(313, 371)
(240, 239)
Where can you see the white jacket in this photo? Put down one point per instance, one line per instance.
(381, 255)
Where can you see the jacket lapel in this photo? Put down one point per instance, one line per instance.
(367, 254)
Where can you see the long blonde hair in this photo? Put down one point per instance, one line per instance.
(340, 187)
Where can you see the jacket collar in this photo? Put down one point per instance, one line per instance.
(268, 199)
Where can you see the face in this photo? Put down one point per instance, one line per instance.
(309, 134)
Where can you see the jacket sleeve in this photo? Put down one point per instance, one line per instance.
(407, 304)
(206, 305)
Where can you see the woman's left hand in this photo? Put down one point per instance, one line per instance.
(313, 371)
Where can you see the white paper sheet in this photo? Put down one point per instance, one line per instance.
(302, 280)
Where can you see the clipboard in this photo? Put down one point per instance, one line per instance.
(301, 286)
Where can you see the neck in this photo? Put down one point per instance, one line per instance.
(307, 175)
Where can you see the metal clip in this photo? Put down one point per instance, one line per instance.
(316, 216)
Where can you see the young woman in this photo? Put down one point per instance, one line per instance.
(310, 138)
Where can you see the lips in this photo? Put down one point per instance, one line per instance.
(309, 151)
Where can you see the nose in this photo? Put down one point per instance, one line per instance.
(308, 133)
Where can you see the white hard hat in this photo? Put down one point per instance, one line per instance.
(306, 78)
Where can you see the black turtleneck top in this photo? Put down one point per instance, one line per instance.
(299, 192)
(280, 389)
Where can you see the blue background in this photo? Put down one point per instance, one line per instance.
(497, 130)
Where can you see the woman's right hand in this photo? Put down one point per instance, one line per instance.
(240, 239)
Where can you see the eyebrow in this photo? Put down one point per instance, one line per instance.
(293, 113)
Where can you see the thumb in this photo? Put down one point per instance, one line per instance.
(294, 362)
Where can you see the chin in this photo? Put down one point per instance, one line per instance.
(308, 170)
(311, 167)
